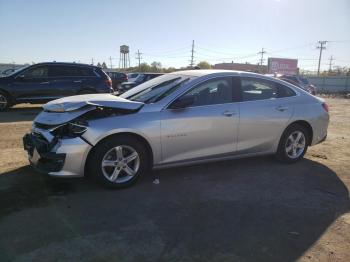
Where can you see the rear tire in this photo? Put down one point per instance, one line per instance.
(293, 144)
(118, 161)
(5, 101)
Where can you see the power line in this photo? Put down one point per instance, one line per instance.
(262, 52)
(168, 51)
(321, 47)
(192, 57)
(331, 62)
(110, 61)
(138, 57)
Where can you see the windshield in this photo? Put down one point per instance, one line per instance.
(156, 89)
(132, 75)
(17, 70)
(139, 78)
(304, 80)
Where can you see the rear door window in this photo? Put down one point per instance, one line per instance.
(260, 89)
(70, 71)
(59, 71)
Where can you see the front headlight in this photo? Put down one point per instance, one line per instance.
(76, 129)
(70, 130)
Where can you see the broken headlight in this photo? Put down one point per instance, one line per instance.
(70, 130)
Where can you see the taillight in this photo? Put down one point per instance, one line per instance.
(325, 107)
(109, 82)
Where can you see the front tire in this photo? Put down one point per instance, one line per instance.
(118, 161)
(5, 101)
(293, 144)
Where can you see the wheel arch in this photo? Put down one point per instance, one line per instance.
(8, 94)
(136, 136)
(304, 124)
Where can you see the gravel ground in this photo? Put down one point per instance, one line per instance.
(243, 210)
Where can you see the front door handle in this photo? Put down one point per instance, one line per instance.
(281, 108)
(229, 113)
(44, 83)
(78, 81)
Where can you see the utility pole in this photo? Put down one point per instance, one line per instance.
(138, 57)
(330, 63)
(321, 47)
(110, 61)
(92, 61)
(262, 52)
(192, 55)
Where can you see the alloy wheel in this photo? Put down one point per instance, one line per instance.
(120, 164)
(295, 144)
(3, 102)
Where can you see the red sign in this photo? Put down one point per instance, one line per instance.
(283, 66)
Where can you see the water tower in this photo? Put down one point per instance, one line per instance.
(124, 59)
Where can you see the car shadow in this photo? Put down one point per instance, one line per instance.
(247, 210)
(19, 114)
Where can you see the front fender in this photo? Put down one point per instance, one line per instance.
(100, 129)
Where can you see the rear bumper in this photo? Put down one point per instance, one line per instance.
(320, 127)
(61, 158)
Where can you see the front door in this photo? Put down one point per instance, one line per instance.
(208, 127)
(33, 85)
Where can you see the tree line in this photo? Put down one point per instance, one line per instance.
(156, 67)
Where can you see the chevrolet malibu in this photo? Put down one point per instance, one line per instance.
(181, 118)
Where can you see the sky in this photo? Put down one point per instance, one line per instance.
(222, 30)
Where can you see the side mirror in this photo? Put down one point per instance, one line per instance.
(182, 102)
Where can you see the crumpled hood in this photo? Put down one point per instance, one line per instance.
(66, 109)
(72, 103)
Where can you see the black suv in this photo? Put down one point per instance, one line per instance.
(47, 81)
(117, 78)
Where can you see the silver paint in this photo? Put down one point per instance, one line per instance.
(196, 134)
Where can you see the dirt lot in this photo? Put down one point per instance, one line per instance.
(244, 210)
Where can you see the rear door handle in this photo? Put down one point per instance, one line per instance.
(281, 108)
(229, 113)
(78, 81)
(44, 83)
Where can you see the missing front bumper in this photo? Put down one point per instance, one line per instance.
(40, 156)
(61, 158)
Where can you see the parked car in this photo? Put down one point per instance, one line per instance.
(299, 81)
(141, 78)
(47, 81)
(176, 119)
(132, 76)
(117, 78)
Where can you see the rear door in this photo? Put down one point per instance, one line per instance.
(206, 128)
(265, 110)
(66, 80)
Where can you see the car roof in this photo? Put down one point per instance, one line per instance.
(203, 72)
(66, 63)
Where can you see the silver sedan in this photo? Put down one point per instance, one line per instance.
(181, 118)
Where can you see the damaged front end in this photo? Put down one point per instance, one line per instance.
(55, 144)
